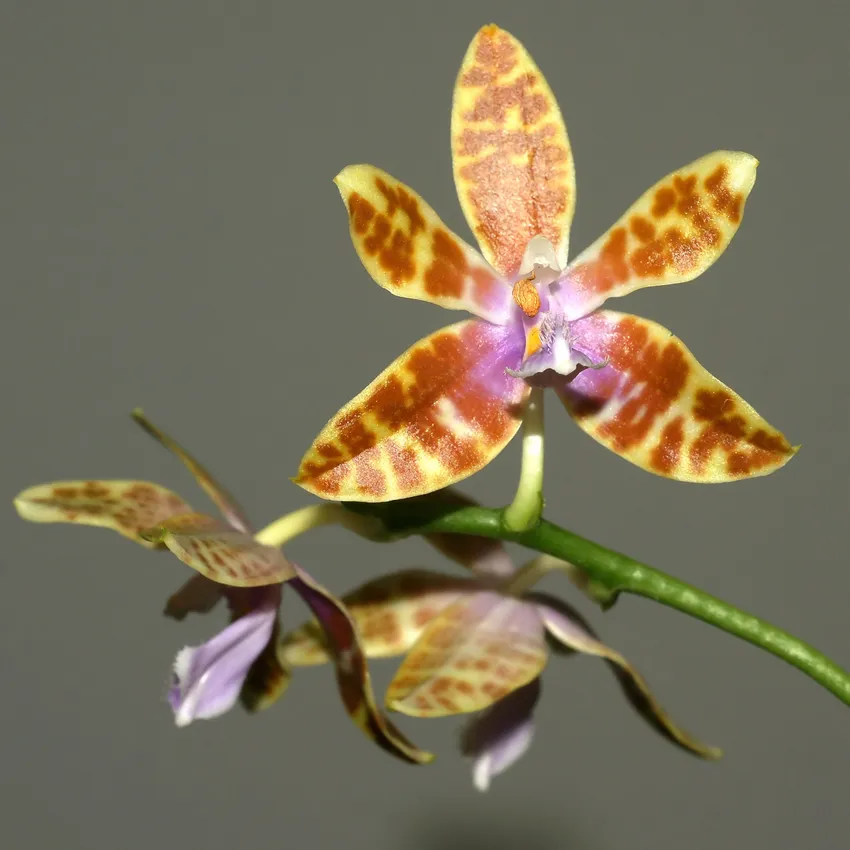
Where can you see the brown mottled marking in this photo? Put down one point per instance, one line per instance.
(510, 151)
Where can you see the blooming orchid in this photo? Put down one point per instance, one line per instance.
(453, 401)
(241, 661)
(473, 647)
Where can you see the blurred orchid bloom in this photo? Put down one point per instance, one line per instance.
(473, 648)
(241, 661)
(453, 401)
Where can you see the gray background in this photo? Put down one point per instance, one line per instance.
(171, 238)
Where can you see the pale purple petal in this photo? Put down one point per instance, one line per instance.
(208, 678)
(501, 734)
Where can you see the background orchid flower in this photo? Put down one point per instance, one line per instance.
(471, 648)
(241, 661)
(453, 401)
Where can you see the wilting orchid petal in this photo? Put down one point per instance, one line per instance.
(671, 235)
(389, 612)
(352, 672)
(656, 406)
(220, 553)
(409, 251)
(566, 625)
(208, 679)
(440, 412)
(224, 501)
(127, 507)
(501, 734)
(473, 654)
(199, 595)
(512, 162)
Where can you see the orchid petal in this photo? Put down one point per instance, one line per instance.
(199, 595)
(208, 678)
(389, 612)
(513, 166)
(656, 406)
(439, 413)
(352, 672)
(127, 507)
(671, 235)
(566, 625)
(485, 556)
(221, 553)
(409, 251)
(501, 734)
(476, 652)
(223, 500)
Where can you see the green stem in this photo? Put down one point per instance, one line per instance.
(617, 573)
(524, 512)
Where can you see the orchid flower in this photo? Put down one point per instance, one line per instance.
(473, 647)
(453, 400)
(232, 561)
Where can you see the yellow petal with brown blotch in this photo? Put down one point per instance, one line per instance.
(513, 166)
(127, 507)
(409, 251)
(672, 234)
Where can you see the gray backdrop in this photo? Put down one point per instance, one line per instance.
(172, 238)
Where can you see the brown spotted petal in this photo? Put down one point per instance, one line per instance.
(513, 166)
(221, 553)
(439, 413)
(566, 625)
(127, 507)
(409, 251)
(476, 652)
(223, 500)
(671, 235)
(390, 613)
(352, 672)
(656, 406)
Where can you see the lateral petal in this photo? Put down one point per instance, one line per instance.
(657, 407)
(221, 553)
(439, 413)
(513, 166)
(475, 653)
(409, 251)
(672, 234)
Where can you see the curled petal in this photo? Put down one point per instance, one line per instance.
(439, 413)
(501, 734)
(228, 506)
(671, 235)
(209, 678)
(389, 612)
(127, 507)
(199, 595)
(352, 672)
(220, 553)
(513, 166)
(567, 626)
(656, 406)
(409, 251)
(473, 654)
